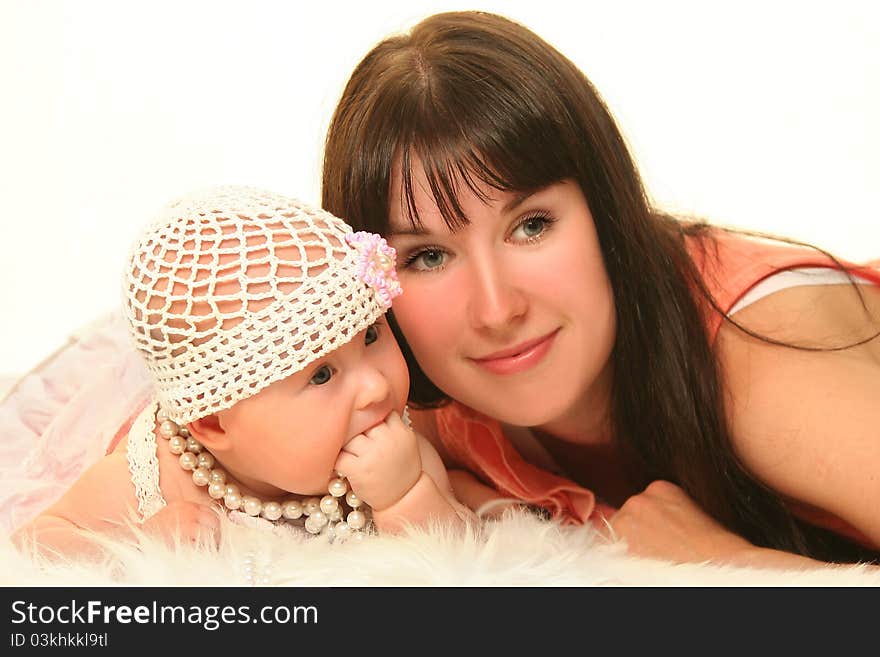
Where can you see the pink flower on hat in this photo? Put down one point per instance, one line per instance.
(375, 265)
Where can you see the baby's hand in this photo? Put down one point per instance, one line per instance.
(193, 523)
(382, 464)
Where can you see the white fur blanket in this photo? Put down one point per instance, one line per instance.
(518, 550)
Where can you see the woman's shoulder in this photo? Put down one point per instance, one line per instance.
(804, 421)
(818, 317)
(731, 263)
(762, 375)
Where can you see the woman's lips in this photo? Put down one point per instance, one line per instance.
(519, 358)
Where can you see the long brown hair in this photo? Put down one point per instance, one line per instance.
(481, 99)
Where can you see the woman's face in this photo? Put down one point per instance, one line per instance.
(512, 314)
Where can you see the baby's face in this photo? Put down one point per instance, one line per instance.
(287, 437)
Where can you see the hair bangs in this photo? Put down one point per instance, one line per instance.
(474, 147)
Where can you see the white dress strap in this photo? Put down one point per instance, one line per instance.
(143, 462)
(795, 278)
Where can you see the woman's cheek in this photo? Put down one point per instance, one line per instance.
(397, 372)
(424, 312)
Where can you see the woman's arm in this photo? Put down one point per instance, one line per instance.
(806, 423)
(664, 523)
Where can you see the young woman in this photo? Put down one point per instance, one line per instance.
(719, 394)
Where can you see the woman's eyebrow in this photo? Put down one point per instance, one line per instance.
(414, 231)
(418, 231)
(518, 200)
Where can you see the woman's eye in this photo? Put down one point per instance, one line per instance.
(371, 334)
(321, 376)
(532, 228)
(425, 260)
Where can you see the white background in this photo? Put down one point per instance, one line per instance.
(755, 114)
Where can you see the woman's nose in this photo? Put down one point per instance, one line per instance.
(496, 299)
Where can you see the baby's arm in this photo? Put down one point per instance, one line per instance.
(484, 500)
(430, 498)
(103, 500)
(400, 475)
(468, 490)
(98, 501)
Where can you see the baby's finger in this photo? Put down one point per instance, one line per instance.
(393, 420)
(345, 463)
(393, 429)
(357, 445)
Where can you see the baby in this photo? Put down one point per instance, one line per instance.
(280, 390)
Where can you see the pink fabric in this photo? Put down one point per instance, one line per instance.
(59, 419)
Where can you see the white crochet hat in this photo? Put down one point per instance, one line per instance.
(235, 288)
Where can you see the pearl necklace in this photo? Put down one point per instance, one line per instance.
(341, 512)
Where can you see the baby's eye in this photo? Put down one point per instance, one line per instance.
(371, 334)
(321, 376)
